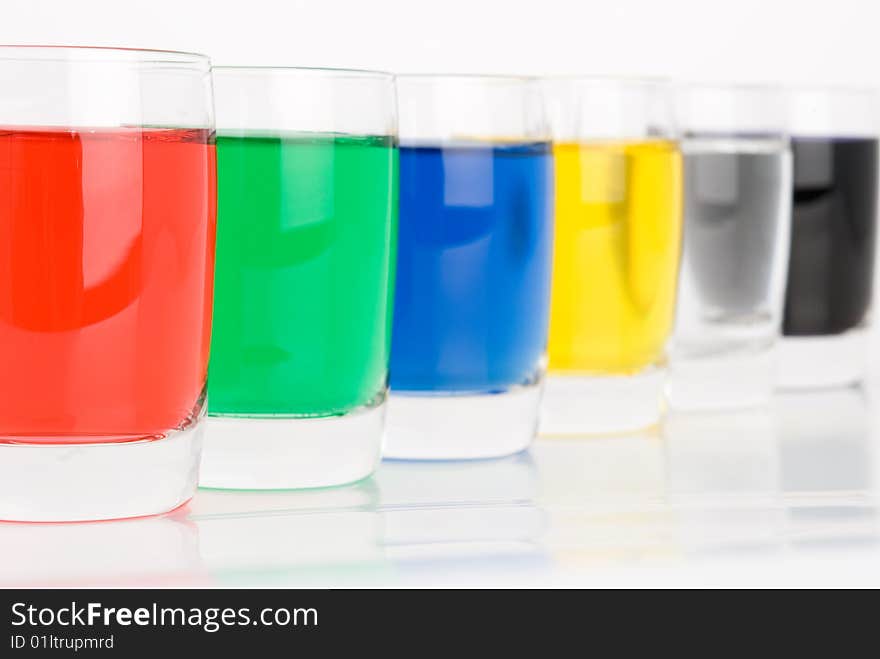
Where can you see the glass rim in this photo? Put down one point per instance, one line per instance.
(496, 78)
(841, 110)
(609, 80)
(865, 97)
(306, 71)
(728, 86)
(832, 89)
(100, 55)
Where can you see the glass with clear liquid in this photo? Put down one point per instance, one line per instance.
(737, 163)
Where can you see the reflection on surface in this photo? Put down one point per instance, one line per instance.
(618, 471)
(604, 498)
(211, 503)
(149, 551)
(828, 471)
(294, 549)
(720, 455)
(824, 442)
(449, 518)
(758, 485)
(295, 538)
(722, 479)
(509, 480)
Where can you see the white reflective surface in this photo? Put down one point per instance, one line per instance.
(784, 496)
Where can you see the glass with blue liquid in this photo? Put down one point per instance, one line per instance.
(473, 271)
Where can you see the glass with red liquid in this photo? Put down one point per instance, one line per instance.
(107, 224)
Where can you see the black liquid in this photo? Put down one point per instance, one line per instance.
(832, 235)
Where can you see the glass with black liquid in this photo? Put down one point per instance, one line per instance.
(834, 219)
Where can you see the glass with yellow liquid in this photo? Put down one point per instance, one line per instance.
(616, 254)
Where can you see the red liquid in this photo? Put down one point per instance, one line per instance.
(106, 281)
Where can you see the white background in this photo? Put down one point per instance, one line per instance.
(748, 40)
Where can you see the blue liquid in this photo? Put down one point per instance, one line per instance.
(473, 270)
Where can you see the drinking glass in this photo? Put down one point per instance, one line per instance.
(472, 300)
(737, 210)
(107, 221)
(616, 253)
(307, 174)
(834, 223)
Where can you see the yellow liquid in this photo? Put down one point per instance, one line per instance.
(616, 254)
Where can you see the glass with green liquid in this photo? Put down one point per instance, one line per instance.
(307, 228)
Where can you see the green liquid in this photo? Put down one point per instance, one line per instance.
(306, 248)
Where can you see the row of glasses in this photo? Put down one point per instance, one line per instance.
(777, 191)
(110, 185)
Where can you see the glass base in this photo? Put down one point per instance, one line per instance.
(253, 453)
(816, 362)
(728, 381)
(90, 482)
(462, 427)
(581, 404)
